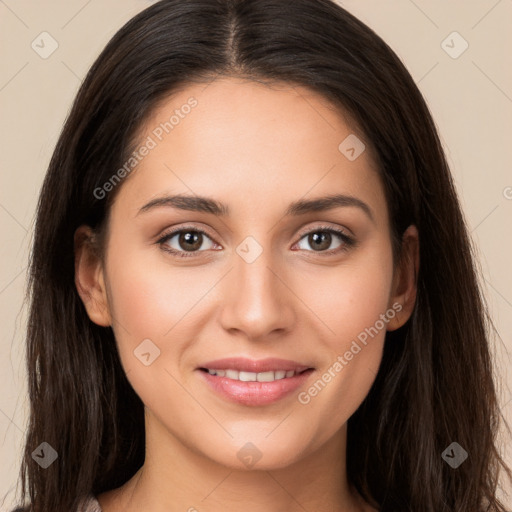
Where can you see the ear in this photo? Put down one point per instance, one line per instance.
(89, 276)
(403, 295)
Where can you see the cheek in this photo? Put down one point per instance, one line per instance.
(152, 300)
(143, 300)
(350, 297)
(351, 302)
(150, 294)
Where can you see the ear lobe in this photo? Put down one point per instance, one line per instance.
(405, 279)
(89, 277)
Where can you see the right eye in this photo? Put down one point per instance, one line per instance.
(184, 241)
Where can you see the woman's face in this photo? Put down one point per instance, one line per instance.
(266, 280)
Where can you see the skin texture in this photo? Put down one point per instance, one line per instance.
(256, 149)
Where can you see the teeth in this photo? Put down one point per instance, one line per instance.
(232, 374)
(253, 377)
(266, 376)
(247, 376)
(220, 373)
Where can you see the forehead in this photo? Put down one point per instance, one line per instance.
(253, 144)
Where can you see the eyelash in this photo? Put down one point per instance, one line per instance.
(348, 241)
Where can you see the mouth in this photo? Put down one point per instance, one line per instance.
(254, 383)
(241, 376)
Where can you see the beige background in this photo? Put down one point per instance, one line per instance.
(470, 98)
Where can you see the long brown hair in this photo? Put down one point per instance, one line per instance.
(435, 385)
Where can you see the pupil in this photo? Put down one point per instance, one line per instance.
(322, 241)
(191, 238)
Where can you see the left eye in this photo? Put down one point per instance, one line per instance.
(321, 239)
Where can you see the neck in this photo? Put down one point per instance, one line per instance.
(176, 477)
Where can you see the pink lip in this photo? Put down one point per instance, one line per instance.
(254, 393)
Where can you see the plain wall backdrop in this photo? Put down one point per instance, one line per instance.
(457, 52)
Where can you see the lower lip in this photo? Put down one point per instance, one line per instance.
(255, 393)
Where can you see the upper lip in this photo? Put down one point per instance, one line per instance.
(256, 366)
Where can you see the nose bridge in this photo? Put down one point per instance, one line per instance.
(257, 302)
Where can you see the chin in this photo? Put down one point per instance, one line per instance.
(258, 454)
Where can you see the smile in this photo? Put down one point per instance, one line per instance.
(254, 388)
(269, 376)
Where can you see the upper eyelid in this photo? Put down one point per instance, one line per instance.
(173, 232)
(336, 230)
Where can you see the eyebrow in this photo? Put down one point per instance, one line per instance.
(300, 207)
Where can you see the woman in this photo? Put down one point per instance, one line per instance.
(252, 284)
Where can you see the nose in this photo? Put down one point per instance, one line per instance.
(258, 301)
